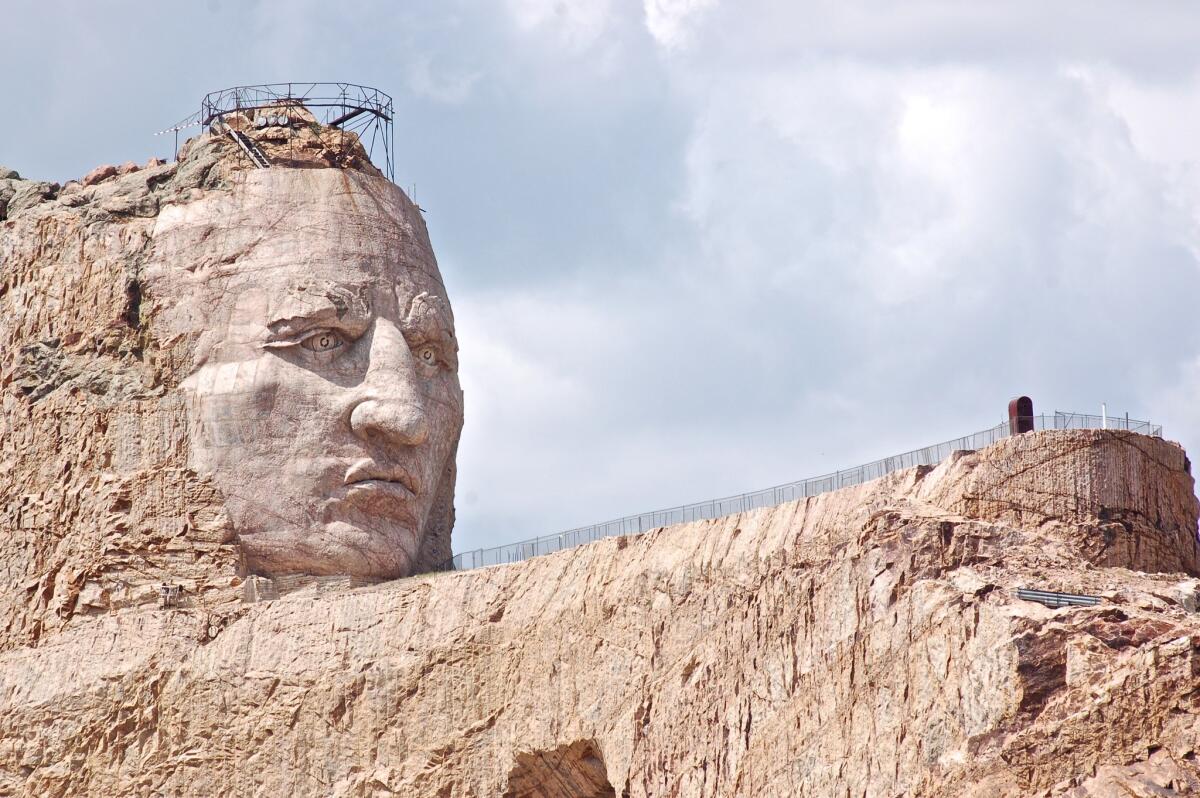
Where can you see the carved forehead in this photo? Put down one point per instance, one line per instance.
(354, 302)
(284, 235)
(298, 219)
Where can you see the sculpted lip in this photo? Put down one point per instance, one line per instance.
(387, 501)
(380, 490)
(381, 499)
(394, 479)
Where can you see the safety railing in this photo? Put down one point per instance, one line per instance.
(363, 110)
(779, 494)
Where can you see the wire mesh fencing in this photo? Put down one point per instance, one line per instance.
(779, 494)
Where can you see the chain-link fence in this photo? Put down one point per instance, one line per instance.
(769, 497)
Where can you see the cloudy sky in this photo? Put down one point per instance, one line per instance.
(697, 247)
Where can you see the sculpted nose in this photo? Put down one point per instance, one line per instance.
(395, 421)
(390, 406)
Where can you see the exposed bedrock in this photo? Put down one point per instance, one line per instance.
(165, 414)
(864, 642)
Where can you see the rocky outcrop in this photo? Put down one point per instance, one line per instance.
(867, 641)
(290, 136)
(98, 506)
(863, 642)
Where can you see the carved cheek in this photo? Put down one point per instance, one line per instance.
(301, 410)
(229, 401)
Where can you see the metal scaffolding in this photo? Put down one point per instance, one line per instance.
(362, 110)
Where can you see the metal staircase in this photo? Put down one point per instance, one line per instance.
(250, 147)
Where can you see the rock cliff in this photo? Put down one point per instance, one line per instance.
(100, 502)
(97, 505)
(866, 642)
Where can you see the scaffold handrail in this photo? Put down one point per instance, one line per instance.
(363, 110)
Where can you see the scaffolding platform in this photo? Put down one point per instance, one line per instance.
(362, 110)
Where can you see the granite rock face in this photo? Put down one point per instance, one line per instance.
(323, 394)
(863, 642)
(97, 503)
(160, 388)
(187, 349)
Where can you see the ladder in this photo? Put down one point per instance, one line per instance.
(250, 147)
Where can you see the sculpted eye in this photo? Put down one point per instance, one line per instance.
(323, 341)
(427, 355)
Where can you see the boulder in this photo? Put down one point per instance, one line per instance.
(99, 174)
(30, 193)
(7, 189)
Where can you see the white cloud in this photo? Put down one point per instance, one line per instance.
(877, 250)
(670, 22)
(1180, 403)
(812, 234)
(575, 25)
(441, 85)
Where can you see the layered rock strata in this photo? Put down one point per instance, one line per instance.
(863, 642)
(113, 291)
(97, 504)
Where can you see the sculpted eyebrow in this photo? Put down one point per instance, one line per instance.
(296, 321)
(427, 315)
(339, 306)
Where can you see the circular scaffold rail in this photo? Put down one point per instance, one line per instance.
(363, 110)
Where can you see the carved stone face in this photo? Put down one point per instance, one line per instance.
(324, 400)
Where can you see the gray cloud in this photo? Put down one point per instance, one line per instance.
(704, 252)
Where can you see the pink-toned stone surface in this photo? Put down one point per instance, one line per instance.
(100, 174)
(323, 392)
(160, 418)
(863, 642)
(866, 642)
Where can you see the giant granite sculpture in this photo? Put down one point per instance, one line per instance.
(209, 371)
(323, 396)
(257, 366)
